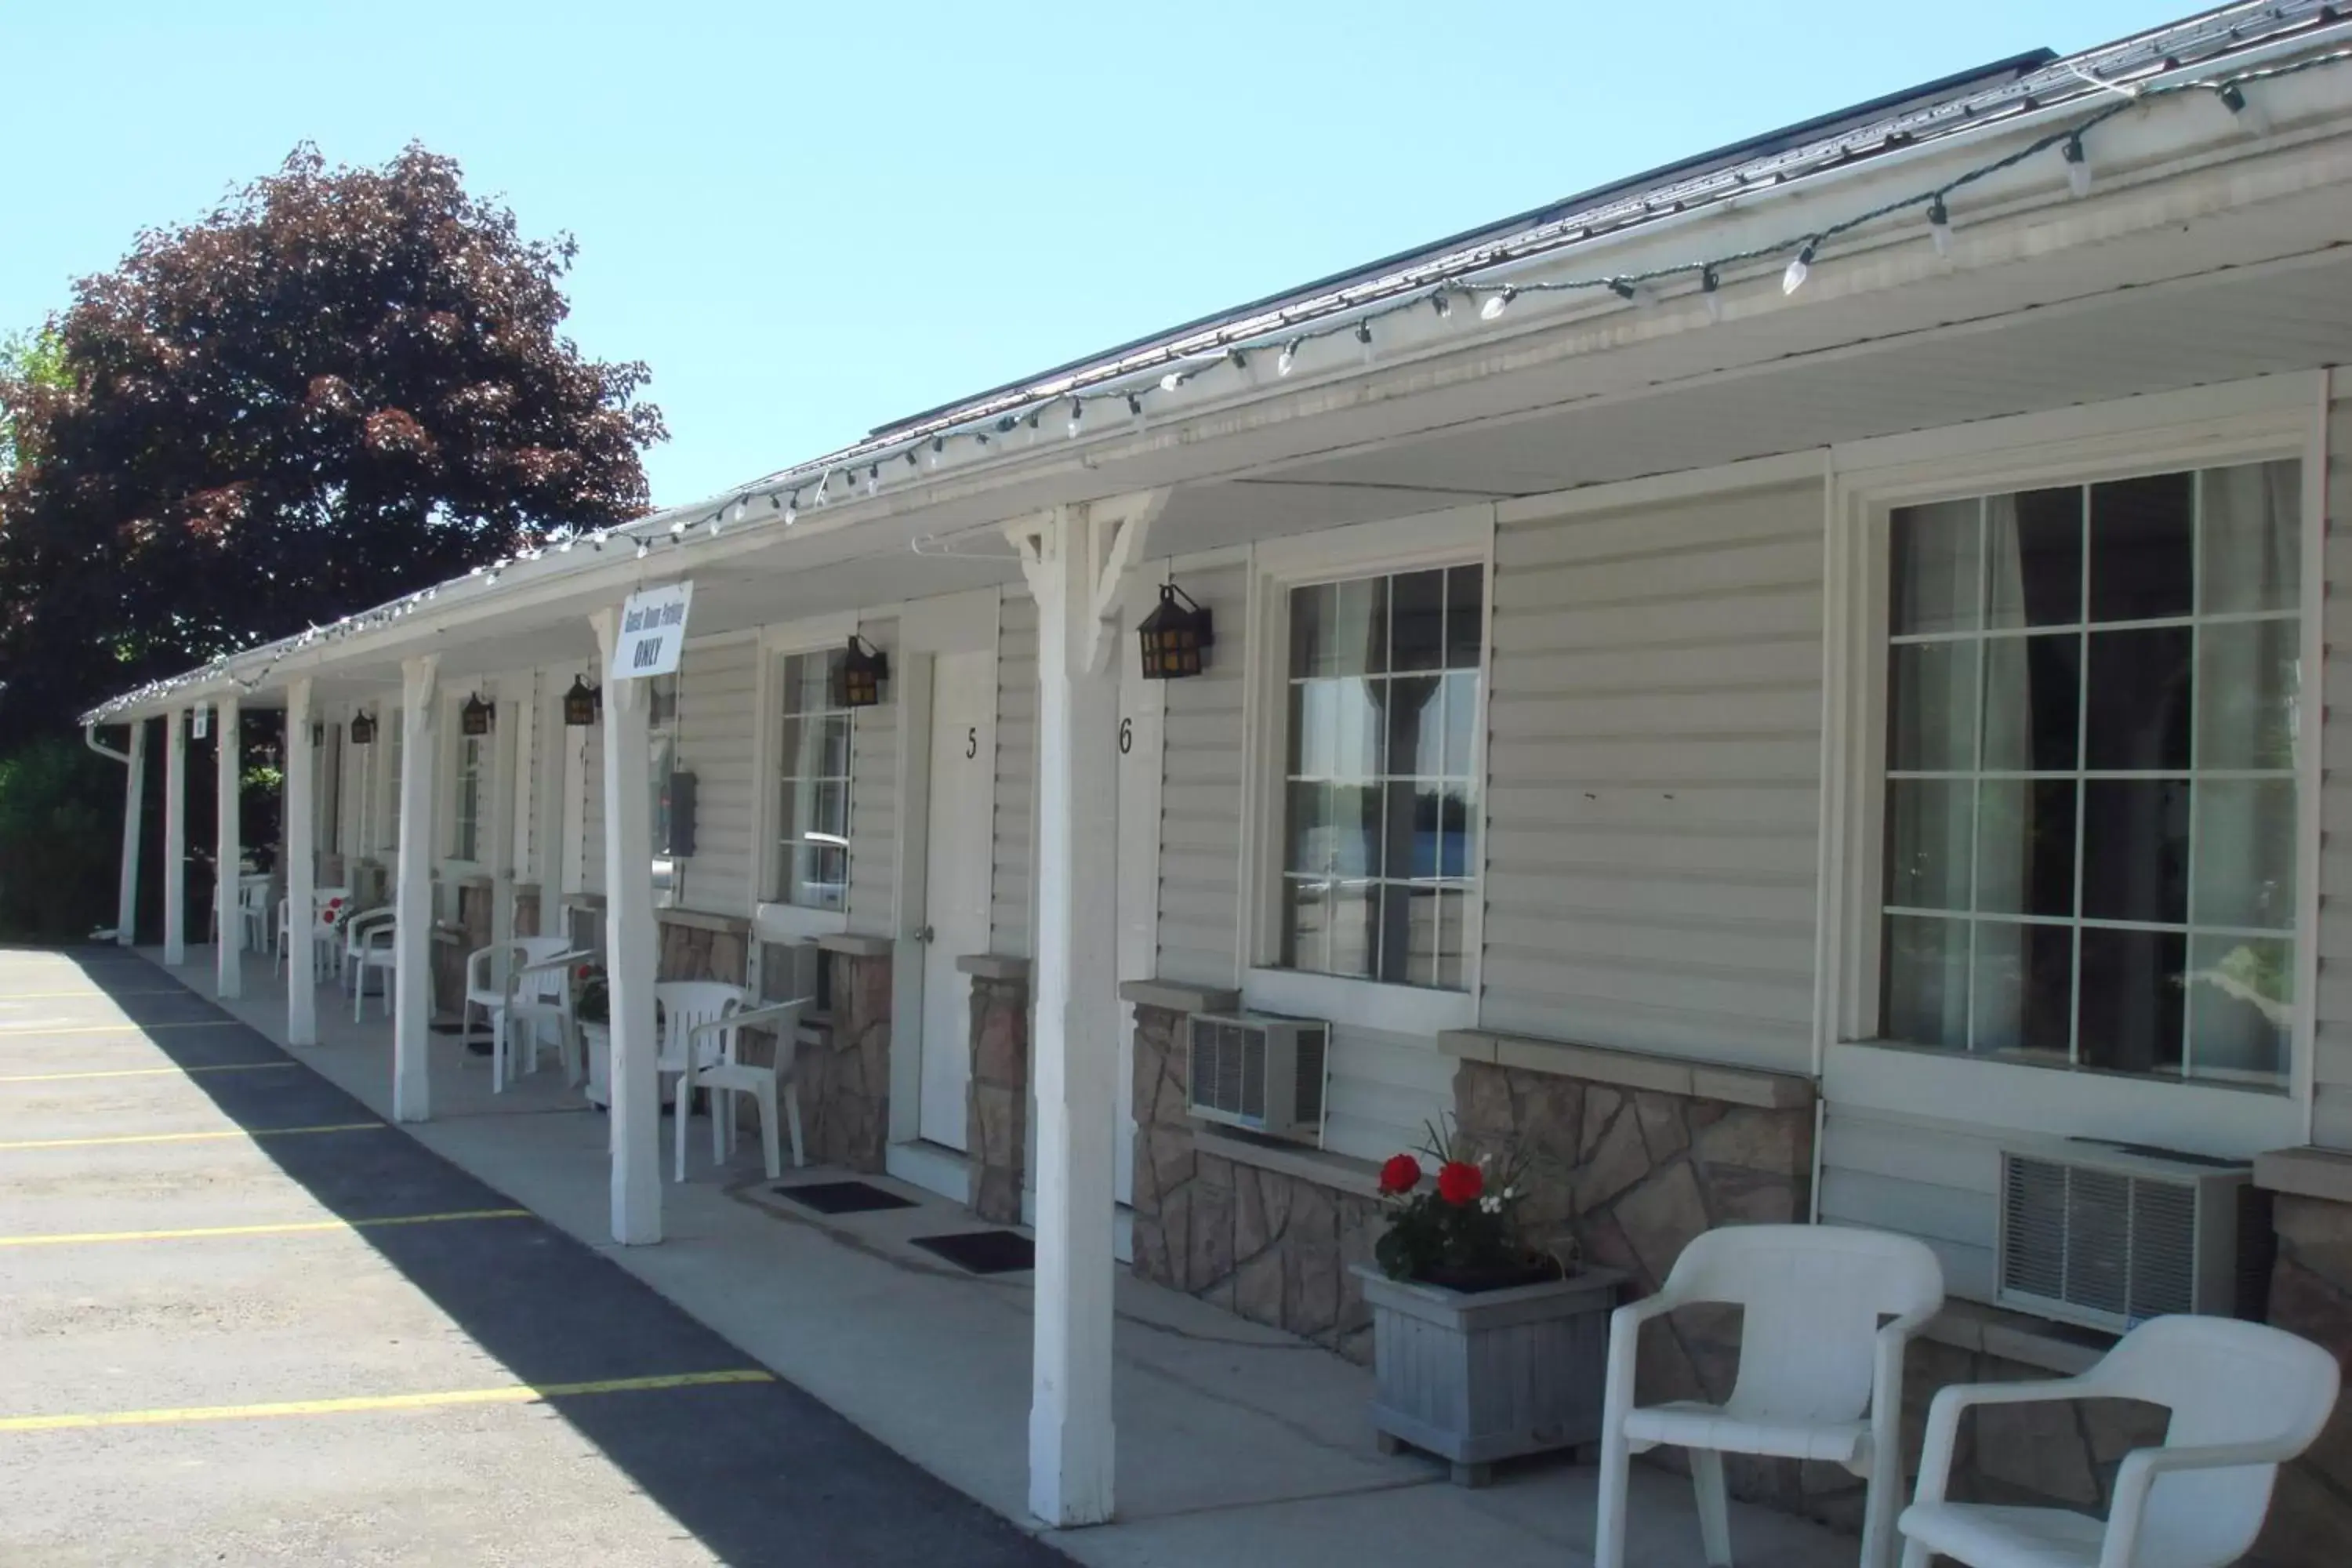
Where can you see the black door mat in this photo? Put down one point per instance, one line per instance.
(843, 1197)
(983, 1251)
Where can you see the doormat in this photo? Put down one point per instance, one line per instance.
(983, 1251)
(843, 1197)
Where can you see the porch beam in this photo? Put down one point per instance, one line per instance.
(176, 837)
(301, 868)
(228, 853)
(134, 788)
(411, 1006)
(632, 1081)
(1073, 558)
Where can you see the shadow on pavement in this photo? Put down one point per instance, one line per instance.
(760, 1473)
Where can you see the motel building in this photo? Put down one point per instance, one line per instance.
(1794, 687)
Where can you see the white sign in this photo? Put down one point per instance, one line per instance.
(204, 723)
(653, 630)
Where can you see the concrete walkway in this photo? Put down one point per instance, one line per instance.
(242, 1318)
(1238, 1446)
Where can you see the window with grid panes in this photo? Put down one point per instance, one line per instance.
(813, 802)
(468, 823)
(2093, 708)
(661, 750)
(1381, 786)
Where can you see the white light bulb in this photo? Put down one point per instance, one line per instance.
(2078, 168)
(1799, 269)
(1939, 227)
(1171, 380)
(1491, 311)
(1077, 417)
(873, 483)
(1289, 358)
(742, 508)
(791, 511)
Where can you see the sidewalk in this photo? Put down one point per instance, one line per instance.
(1237, 1444)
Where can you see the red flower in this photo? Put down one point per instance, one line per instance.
(1400, 1174)
(1459, 1183)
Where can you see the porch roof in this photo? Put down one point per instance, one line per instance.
(962, 469)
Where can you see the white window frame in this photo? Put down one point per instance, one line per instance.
(771, 919)
(1460, 536)
(2281, 417)
(672, 731)
(452, 773)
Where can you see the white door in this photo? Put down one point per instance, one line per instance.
(1142, 706)
(956, 880)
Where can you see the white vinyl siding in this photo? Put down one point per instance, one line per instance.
(1201, 797)
(873, 798)
(1938, 1181)
(716, 719)
(591, 816)
(2332, 1060)
(1386, 1088)
(1654, 764)
(1016, 773)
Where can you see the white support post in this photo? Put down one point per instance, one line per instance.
(550, 767)
(301, 868)
(629, 939)
(175, 837)
(505, 718)
(228, 853)
(134, 788)
(412, 1004)
(1073, 559)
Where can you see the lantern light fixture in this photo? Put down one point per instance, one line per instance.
(475, 718)
(858, 682)
(582, 703)
(1176, 636)
(363, 728)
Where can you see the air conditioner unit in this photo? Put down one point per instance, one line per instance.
(2110, 1234)
(1259, 1071)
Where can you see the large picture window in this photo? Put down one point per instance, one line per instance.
(467, 836)
(2092, 697)
(661, 750)
(813, 863)
(1380, 783)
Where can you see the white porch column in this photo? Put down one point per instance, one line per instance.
(629, 940)
(301, 868)
(134, 787)
(506, 719)
(411, 901)
(176, 837)
(1075, 560)
(228, 852)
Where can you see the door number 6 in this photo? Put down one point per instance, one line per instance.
(1126, 736)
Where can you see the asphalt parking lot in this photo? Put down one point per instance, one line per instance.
(242, 1320)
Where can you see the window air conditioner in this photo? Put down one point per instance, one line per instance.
(1259, 1071)
(2110, 1234)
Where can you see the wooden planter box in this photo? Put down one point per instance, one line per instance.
(596, 1040)
(1474, 1379)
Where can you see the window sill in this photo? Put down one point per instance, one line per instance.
(1906, 1082)
(790, 922)
(1631, 1069)
(1341, 1172)
(2306, 1173)
(1358, 1003)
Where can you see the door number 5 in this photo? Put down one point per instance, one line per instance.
(972, 741)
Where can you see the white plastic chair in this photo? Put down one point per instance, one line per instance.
(700, 1023)
(324, 941)
(2245, 1398)
(1819, 1377)
(370, 942)
(537, 991)
(252, 927)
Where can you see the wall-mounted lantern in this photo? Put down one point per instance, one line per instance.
(1176, 636)
(473, 718)
(363, 728)
(864, 668)
(581, 703)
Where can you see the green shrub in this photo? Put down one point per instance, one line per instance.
(60, 841)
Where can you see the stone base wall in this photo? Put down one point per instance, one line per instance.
(698, 952)
(996, 1104)
(526, 914)
(2310, 1523)
(845, 1081)
(1270, 1245)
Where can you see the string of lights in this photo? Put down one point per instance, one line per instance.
(1075, 407)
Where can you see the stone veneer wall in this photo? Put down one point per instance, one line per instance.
(526, 912)
(701, 949)
(2310, 1523)
(996, 1102)
(1269, 1244)
(844, 1074)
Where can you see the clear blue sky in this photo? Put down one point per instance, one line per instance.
(811, 220)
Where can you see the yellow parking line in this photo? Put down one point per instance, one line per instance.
(142, 1072)
(288, 1228)
(119, 1028)
(87, 991)
(515, 1394)
(192, 1137)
